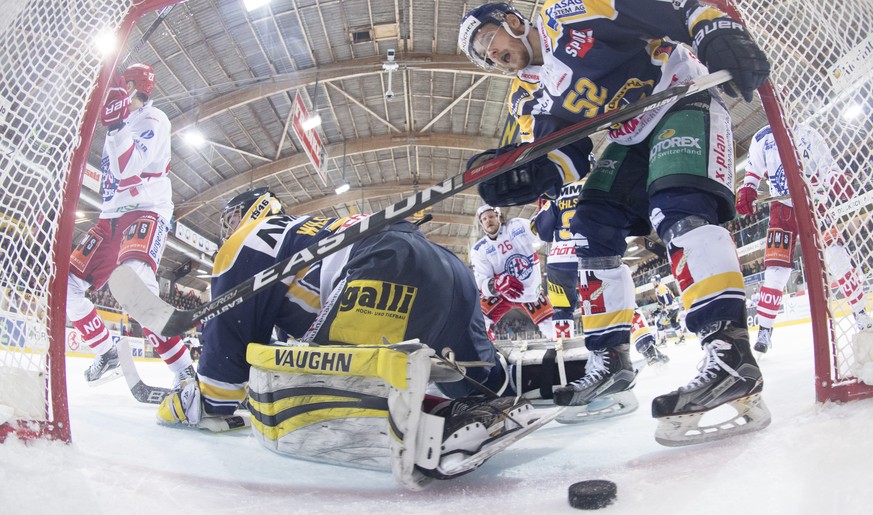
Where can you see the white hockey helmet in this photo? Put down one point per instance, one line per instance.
(248, 207)
(486, 207)
(475, 45)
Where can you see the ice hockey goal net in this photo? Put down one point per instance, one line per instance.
(821, 52)
(52, 81)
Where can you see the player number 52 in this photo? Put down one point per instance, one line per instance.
(586, 96)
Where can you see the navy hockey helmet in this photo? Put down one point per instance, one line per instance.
(474, 42)
(250, 206)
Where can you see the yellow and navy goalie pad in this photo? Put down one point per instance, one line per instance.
(355, 406)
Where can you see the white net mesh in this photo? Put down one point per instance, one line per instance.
(49, 65)
(821, 52)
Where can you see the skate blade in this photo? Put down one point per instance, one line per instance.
(608, 406)
(108, 376)
(680, 430)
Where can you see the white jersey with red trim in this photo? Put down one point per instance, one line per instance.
(819, 164)
(136, 166)
(511, 252)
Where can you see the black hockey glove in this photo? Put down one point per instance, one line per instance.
(724, 44)
(520, 186)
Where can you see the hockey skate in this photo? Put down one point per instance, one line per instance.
(104, 368)
(184, 408)
(604, 391)
(183, 375)
(476, 429)
(654, 356)
(764, 340)
(728, 375)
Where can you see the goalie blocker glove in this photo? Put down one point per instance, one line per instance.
(724, 44)
(520, 186)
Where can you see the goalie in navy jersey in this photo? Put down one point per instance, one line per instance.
(389, 288)
(670, 169)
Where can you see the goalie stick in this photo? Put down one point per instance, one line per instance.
(157, 315)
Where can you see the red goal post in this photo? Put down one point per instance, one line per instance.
(821, 53)
(52, 83)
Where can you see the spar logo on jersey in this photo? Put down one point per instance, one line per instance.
(580, 43)
(518, 265)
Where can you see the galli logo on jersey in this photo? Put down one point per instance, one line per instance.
(378, 298)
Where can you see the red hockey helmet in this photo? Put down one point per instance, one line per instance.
(142, 76)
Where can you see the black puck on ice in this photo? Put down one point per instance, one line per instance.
(593, 494)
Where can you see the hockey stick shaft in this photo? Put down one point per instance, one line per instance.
(158, 316)
(773, 198)
(162, 15)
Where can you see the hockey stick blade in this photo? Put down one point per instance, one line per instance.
(166, 320)
(141, 391)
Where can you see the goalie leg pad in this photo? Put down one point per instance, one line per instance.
(356, 406)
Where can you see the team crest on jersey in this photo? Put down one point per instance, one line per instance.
(519, 265)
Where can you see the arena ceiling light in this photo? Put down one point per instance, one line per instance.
(106, 43)
(313, 121)
(194, 138)
(852, 112)
(342, 189)
(251, 5)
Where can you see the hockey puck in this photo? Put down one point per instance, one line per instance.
(593, 494)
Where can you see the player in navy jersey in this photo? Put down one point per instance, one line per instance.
(391, 287)
(669, 169)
